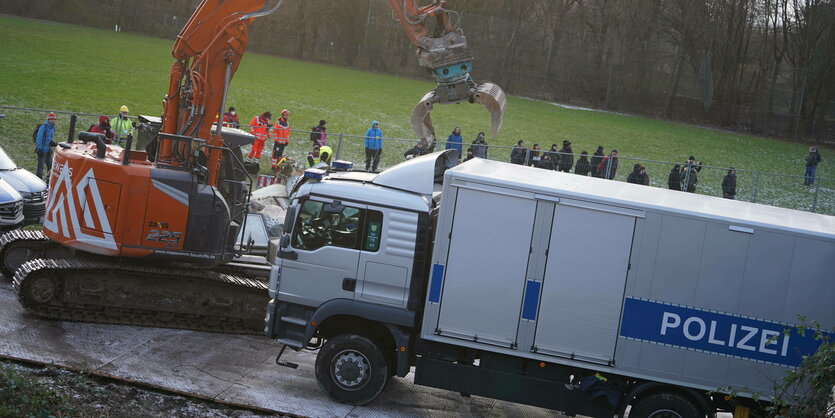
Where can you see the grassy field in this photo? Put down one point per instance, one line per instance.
(73, 68)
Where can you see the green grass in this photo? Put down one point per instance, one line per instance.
(65, 67)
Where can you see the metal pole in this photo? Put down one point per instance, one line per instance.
(815, 198)
(338, 148)
(71, 131)
(756, 184)
(527, 155)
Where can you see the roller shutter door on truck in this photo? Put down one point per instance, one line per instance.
(486, 267)
(583, 284)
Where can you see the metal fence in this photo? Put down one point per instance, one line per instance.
(772, 189)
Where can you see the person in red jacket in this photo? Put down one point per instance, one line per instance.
(260, 127)
(281, 137)
(103, 128)
(230, 118)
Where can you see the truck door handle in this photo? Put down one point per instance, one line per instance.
(288, 255)
(349, 284)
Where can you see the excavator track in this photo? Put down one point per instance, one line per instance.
(19, 246)
(127, 293)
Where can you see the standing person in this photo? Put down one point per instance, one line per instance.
(454, 141)
(690, 168)
(260, 127)
(729, 184)
(674, 179)
(552, 158)
(519, 153)
(470, 154)
(566, 157)
(281, 136)
(609, 166)
(480, 146)
(373, 146)
(690, 179)
(103, 127)
(634, 176)
(318, 134)
(536, 159)
(596, 159)
(812, 160)
(230, 118)
(643, 176)
(583, 166)
(43, 146)
(121, 125)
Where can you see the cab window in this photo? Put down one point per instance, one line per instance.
(323, 224)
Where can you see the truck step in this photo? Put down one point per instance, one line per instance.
(294, 321)
(294, 344)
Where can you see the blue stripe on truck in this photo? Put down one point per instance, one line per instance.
(435, 284)
(531, 300)
(716, 332)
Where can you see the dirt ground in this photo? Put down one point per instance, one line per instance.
(92, 396)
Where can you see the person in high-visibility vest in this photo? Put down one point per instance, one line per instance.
(319, 155)
(122, 126)
(260, 127)
(281, 136)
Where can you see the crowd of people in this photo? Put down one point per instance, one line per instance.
(682, 177)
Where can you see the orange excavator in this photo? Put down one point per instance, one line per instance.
(147, 237)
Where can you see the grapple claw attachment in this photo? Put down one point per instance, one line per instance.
(487, 94)
(421, 122)
(492, 97)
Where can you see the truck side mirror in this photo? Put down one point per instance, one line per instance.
(289, 217)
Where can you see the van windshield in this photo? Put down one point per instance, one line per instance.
(6, 163)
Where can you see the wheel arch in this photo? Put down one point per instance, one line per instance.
(645, 389)
(387, 326)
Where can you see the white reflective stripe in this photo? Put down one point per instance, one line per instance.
(63, 192)
(741, 229)
(178, 195)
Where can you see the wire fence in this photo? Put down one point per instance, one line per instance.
(773, 189)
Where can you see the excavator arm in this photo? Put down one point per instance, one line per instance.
(210, 47)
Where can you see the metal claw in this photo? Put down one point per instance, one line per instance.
(421, 122)
(487, 94)
(492, 97)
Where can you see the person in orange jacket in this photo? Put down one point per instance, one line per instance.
(260, 127)
(281, 137)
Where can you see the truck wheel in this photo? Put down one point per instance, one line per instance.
(665, 405)
(351, 369)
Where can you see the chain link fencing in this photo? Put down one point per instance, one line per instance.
(773, 189)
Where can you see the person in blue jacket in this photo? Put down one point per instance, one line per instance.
(454, 141)
(43, 145)
(373, 146)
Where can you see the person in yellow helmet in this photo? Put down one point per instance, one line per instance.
(122, 126)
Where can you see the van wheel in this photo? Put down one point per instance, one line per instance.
(665, 405)
(351, 369)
